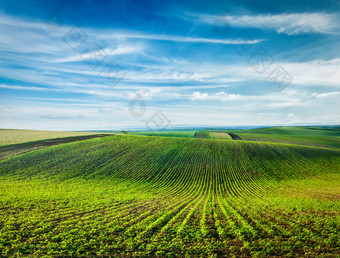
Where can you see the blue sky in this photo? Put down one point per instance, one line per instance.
(75, 65)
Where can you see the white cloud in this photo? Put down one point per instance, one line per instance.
(221, 96)
(310, 73)
(225, 96)
(326, 95)
(199, 96)
(288, 23)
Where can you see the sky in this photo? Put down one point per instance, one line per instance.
(112, 65)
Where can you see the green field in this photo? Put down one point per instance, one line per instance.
(328, 137)
(133, 195)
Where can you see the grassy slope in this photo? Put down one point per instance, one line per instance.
(100, 155)
(148, 195)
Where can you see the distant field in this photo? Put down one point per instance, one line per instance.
(217, 135)
(8, 151)
(303, 131)
(167, 134)
(320, 141)
(310, 136)
(13, 136)
(133, 195)
(204, 135)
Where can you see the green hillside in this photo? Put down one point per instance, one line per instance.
(294, 130)
(137, 195)
(318, 141)
(311, 136)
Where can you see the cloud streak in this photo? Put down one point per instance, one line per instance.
(120, 50)
(287, 23)
(174, 38)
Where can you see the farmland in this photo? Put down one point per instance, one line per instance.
(10, 136)
(139, 195)
(213, 135)
(8, 151)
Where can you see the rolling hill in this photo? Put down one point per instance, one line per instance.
(138, 195)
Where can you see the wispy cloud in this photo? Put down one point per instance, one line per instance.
(120, 50)
(41, 29)
(175, 38)
(16, 87)
(316, 72)
(288, 23)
